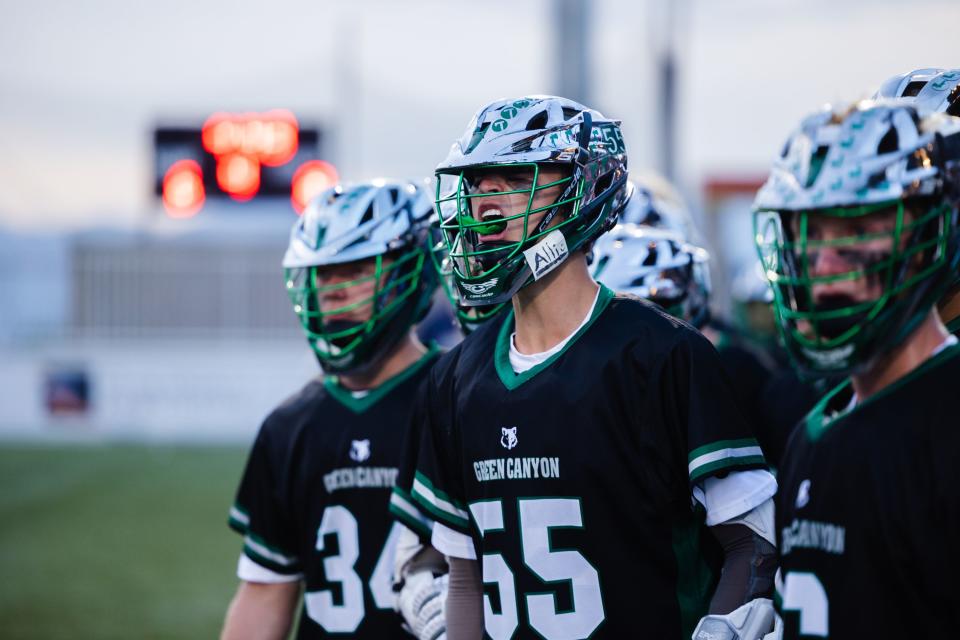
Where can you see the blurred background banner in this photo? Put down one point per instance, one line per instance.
(153, 157)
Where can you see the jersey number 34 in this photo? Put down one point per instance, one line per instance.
(346, 617)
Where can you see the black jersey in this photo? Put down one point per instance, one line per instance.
(749, 368)
(785, 401)
(868, 515)
(954, 326)
(572, 481)
(313, 501)
(403, 507)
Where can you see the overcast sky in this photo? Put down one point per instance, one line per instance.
(82, 83)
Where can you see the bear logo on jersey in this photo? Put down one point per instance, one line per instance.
(360, 450)
(508, 437)
(803, 494)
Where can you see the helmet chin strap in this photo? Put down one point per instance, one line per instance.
(340, 326)
(834, 327)
(498, 250)
(369, 367)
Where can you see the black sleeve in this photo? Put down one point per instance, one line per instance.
(403, 506)
(259, 512)
(933, 528)
(437, 487)
(749, 374)
(749, 565)
(784, 402)
(697, 400)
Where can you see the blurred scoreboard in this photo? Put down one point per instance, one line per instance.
(239, 156)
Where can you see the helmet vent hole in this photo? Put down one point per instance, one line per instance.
(954, 102)
(569, 113)
(538, 121)
(889, 143)
(816, 164)
(876, 179)
(521, 146)
(913, 88)
(367, 215)
(603, 183)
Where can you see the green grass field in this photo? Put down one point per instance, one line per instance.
(116, 541)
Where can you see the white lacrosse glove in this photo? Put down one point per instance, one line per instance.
(752, 621)
(777, 633)
(422, 603)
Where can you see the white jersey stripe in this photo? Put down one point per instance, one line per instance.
(723, 454)
(404, 505)
(425, 492)
(239, 516)
(269, 554)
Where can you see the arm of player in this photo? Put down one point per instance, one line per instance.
(261, 611)
(741, 608)
(749, 565)
(464, 600)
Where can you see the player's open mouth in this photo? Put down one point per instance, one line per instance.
(491, 225)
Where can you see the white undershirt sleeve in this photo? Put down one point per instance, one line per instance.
(250, 571)
(452, 543)
(735, 494)
(759, 520)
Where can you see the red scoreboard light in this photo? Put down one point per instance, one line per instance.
(311, 179)
(183, 192)
(271, 137)
(238, 174)
(244, 157)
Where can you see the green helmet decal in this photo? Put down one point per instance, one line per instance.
(522, 141)
(857, 232)
(378, 231)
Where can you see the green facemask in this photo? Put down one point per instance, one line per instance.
(487, 272)
(343, 345)
(838, 333)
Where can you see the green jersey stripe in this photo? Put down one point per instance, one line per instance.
(721, 444)
(403, 494)
(453, 521)
(238, 520)
(404, 502)
(262, 549)
(439, 507)
(410, 515)
(461, 509)
(818, 421)
(510, 378)
(751, 461)
(723, 454)
(364, 403)
(269, 564)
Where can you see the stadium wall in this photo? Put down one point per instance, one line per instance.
(177, 390)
